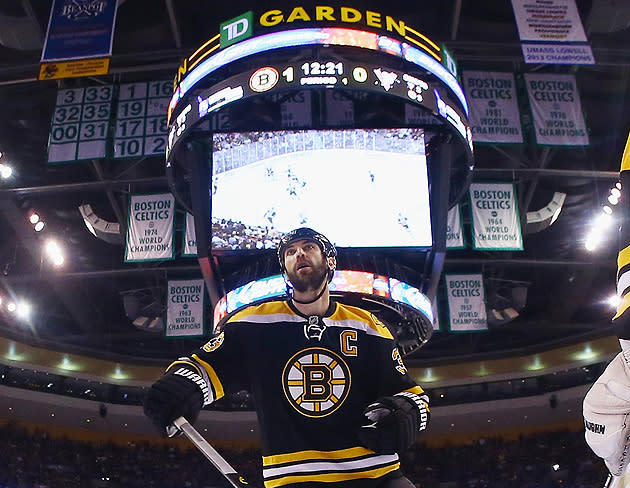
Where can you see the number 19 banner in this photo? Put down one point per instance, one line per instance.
(150, 232)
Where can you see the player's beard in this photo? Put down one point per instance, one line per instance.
(312, 281)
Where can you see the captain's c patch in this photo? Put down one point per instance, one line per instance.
(316, 381)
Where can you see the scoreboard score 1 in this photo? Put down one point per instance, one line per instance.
(419, 89)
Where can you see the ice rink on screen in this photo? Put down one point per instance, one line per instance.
(357, 197)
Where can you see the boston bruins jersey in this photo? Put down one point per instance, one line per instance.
(311, 379)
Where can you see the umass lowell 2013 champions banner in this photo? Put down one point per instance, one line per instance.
(150, 230)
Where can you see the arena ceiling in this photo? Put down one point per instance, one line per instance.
(559, 288)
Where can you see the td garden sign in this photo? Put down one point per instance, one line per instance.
(251, 23)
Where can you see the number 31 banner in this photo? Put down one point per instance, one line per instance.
(150, 232)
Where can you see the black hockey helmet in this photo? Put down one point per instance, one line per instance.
(304, 233)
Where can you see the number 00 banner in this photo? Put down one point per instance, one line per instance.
(150, 228)
(466, 302)
(495, 217)
(184, 313)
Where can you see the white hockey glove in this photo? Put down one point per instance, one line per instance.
(606, 411)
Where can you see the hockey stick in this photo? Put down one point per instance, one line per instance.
(180, 424)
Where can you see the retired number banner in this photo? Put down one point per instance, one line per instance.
(190, 239)
(150, 228)
(184, 313)
(454, 234)
(495, 218)
(556, 109)
(466, 302)
(494, 115)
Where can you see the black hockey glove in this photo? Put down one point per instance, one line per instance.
(170, 397)
(392, 423)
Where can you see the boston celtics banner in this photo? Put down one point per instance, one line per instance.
(556, 109)
(494, 115)
(454, 234)
(495, 219)
(190, 240)
(150, 228)
(184, 312)
(466, 302)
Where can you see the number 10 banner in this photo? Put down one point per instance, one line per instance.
(150, 232)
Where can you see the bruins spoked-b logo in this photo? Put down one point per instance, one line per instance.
(316, 381)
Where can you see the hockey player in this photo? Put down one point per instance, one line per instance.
(606, 407)
(334, 400)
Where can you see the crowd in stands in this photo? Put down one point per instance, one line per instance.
(34, 459)
(230, 235)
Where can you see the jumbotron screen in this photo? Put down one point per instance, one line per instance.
(359, 187)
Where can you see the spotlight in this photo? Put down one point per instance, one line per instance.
(11, 307)
(54, 252)
(39, 226)
(34, 218)
(5, 171)
(23, 310)
(614, 301)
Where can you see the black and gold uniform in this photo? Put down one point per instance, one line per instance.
(311, 379)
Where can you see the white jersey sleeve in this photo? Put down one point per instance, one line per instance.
(606, 410)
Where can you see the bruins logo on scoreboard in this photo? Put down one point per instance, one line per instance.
(316, 381)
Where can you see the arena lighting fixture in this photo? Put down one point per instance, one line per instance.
(5, 171)
(613, 301)
(54, 252)
(34, 217)
(39, 226)
(11, 306)
(67, 364)
(536, 364)
(23, 310)
(585, 354)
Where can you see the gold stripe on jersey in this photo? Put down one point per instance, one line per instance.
(417, 390)
(356, 318)
(332, 477)
(214, 379)
(310, 455)
(186, 363)
(276, 311)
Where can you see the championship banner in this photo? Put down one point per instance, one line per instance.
(78, 39)
(466, 302)
(551, 32)
(556, 109)
(494, 114)
(454, 234)
(185, 309)
(150, 228)
(496, 224)
(190, 239)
